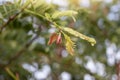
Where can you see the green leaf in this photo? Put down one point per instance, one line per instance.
(77, 34)
(47, 16)
(37, 3)
(1, 17)
(41, 7)
(69, 13)
(33, 13)
(11, 73)
(5, 9)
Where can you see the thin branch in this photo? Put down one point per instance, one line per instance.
(24, 48)
(11, 18)
(20, 52)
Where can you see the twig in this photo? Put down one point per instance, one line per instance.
(11, 18)
(20, 52)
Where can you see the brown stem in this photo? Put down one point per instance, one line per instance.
(11, 18)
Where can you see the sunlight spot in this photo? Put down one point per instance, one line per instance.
(88, 77)
(64, 53)
(65, 76)
(85, 3)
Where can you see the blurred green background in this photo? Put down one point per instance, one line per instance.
(23, 42)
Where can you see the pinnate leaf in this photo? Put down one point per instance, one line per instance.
(69, 44)
(69, 13)
(77, 34)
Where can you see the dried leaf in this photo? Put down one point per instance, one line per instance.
(59, 39)
(53, 38)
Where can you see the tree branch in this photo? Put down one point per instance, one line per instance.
(11, 18)
(20, 52)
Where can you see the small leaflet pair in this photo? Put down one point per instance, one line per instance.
(55, 38)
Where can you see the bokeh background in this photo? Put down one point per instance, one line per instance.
(99, 19)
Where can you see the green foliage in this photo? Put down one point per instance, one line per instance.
(25, 30)
(69, 13)
(11, 74)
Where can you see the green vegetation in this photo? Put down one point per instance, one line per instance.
(37, 32)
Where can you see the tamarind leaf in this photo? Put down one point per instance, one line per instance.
(73, 18)
(1, 16)
(37, 3)
(69, 44)
(11, 73)
(80, 35)
(47, 16)
(69, 13)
